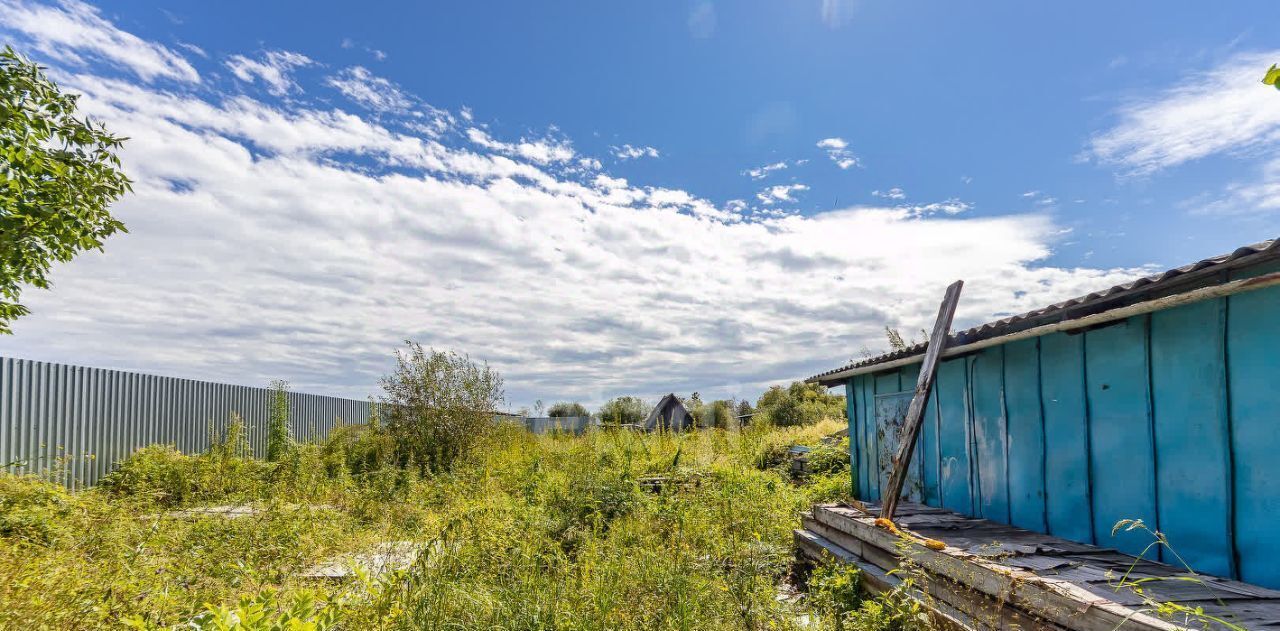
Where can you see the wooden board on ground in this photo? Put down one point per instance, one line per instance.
(230, 511)
(385, 557)
(1050, 582)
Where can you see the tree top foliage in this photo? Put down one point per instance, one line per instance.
(58, 175)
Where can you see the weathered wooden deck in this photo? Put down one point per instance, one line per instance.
(994, 576)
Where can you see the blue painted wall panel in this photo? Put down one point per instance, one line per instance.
(867, 400)
(953, 435)
(851, 415)
(990, 463)
(884, 383)
(1170, 418)
(1253, 362)
(1026, 434)
(1188, 395)
(907, 382)
(1066, 430)
(929, 463)
(1121, 449)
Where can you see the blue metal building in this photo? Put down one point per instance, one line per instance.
(1154, 400)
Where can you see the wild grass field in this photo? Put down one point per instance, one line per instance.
(528, 532)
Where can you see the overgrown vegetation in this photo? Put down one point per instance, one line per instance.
(523, 532)
(798, 404)
(438, 406)
(624, 411)
(567, 409)
(612, 529)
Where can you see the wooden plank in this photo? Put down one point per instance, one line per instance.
(952, 598)
(1061, 602)
(876, 580)
(928, 370)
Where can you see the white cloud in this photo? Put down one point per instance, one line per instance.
(275, 69)
(539, 151)
(893, 193)
(951, 206)
(1030, 194)
(1258, 196)
(780, 193)
(1224, 109)
(74, 31)
(296, 241)
(838, 151)
(373, 92)
(628, 152)
(759, 173)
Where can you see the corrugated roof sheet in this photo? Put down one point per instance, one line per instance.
(1177, 280)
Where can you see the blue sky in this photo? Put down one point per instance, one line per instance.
(315, 183)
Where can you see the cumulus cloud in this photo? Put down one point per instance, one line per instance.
(373, 92)
(838, 151)
(1224, 109)
(291, 240)
(275, 69)
(74, 33)
(780, 193)
(894, 193)
(540, 151)
(759, 173)
(628, 152)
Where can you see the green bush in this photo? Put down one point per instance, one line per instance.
(565, 409)
(828, 458)
(159, 473)
(799, 404)
(624, 411)
(30, 507)
(357, 449)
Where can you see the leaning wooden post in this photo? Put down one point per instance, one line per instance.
(911, 425)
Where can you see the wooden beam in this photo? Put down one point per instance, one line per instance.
(911, 425)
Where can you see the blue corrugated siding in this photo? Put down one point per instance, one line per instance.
(1188, 396)
(1253, 369)
(953, 435)
(1120, 446)
(1066, 431)
(1026, 435)
(1171, 418)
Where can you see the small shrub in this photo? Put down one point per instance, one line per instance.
(827, 458)
(357, 449)
(279, 439)
(565, 409)
(159, 473)
(439, 407)
(834, 589)
(30, 508)
(624, 411)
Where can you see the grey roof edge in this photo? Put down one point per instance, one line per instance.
(1177, 280)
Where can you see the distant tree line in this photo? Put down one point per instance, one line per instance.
(797, 404)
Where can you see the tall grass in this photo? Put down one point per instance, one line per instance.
(528, 532)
